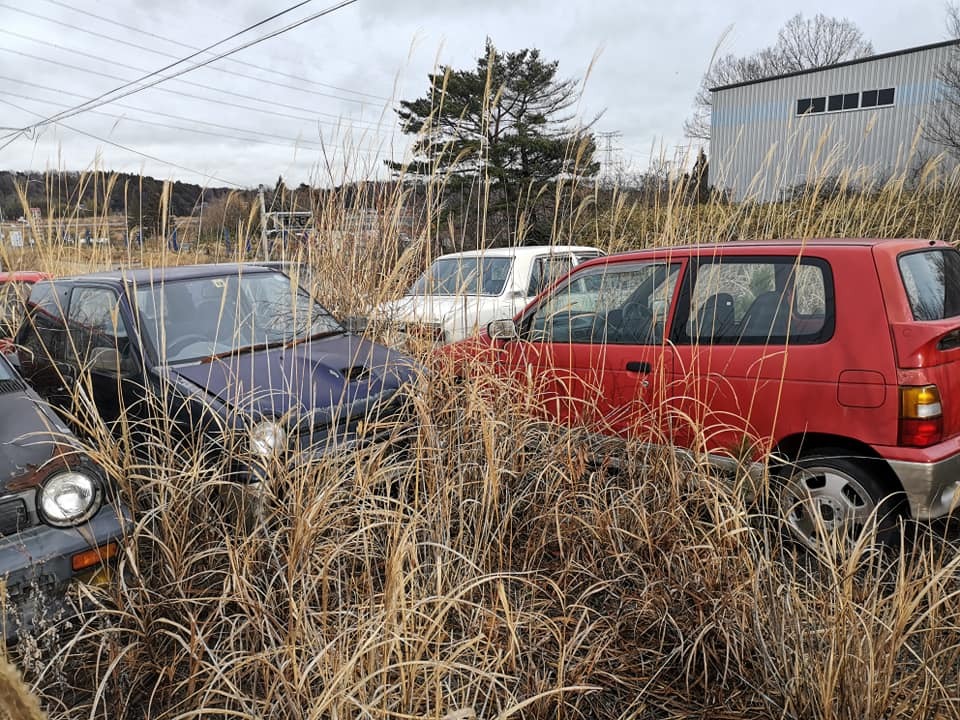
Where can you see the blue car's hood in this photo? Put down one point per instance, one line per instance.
(318, 380)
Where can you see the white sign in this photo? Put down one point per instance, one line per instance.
(16, 238)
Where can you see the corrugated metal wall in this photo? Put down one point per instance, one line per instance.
(760, 147)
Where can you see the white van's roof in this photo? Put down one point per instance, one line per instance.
(523, 251)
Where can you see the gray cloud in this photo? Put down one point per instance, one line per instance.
(650, 57)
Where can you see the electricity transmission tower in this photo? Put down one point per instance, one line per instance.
(608, 173)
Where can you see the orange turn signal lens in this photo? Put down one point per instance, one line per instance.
(921, 416)
(920, 401)
(95, 556)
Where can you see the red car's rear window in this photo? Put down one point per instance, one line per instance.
(932, 281)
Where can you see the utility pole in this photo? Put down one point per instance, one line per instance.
(263, 226)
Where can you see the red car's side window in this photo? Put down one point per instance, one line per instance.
(619, 303)
(747, 301)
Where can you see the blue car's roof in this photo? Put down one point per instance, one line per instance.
(147, 275)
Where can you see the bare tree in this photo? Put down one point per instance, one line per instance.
(943, 124)
(801, 44)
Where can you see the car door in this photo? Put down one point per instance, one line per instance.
(101, 351)
(41, 343)
(545, 270)
(593, 350)
(749, 345)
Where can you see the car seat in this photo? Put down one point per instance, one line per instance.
(715, 318)
(766, 317)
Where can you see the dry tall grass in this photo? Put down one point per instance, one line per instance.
(494, 565)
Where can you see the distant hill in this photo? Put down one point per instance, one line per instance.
(101, 193)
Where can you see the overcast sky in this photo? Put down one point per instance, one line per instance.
(316, 102)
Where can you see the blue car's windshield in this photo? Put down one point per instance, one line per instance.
(464, 276)
(195, 318)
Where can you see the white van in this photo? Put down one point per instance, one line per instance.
(461, 292)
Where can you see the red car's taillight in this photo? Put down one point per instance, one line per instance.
(921, 416)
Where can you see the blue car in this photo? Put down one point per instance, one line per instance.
(60, 520)
(236, 355)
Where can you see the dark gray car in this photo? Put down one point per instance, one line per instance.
(60, 522)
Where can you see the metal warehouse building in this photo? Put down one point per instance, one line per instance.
(863, 117)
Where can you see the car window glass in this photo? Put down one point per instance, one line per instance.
(5, 372)
(190, 319)
(41, 336)
(471, 275)
(619, 304)
(95, 320)
(546, 271)
(744, 301)
(810, 297)
(13, 295)
(932, 281)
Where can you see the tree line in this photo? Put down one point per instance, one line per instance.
(75, 194)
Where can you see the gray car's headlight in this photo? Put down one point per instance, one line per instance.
(69, 498)
(267, 438)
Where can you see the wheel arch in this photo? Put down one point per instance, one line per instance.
(793, 447)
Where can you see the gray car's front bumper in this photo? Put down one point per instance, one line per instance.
(36, 566)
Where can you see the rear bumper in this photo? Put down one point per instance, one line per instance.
(930, 478)
(36, 566)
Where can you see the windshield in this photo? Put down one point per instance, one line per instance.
(193, 319)
(464, 276)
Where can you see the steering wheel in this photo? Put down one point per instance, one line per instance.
(181, 343)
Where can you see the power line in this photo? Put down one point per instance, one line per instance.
(134, 151)
(181, 94)
(105, 98)
(159, 124)
(314, 145)
(235, 61)
(140, 47)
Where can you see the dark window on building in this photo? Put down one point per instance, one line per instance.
(846, 101)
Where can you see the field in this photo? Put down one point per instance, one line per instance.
(490, 564)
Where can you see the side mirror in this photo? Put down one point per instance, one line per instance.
(502, 330)
(106, 360)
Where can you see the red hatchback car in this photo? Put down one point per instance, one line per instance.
(834, 362)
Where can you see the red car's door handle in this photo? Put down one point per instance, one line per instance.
(638, 366)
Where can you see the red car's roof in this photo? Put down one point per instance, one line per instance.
(735, 246)
(28, 276)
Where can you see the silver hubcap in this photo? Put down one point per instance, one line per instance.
(822, 501)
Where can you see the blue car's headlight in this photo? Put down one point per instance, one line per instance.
(267, 438)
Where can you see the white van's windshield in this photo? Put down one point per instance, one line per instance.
(464, 276)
